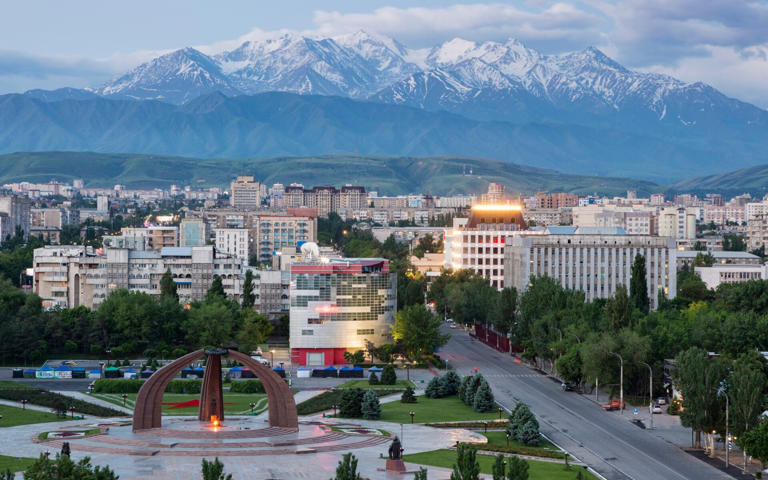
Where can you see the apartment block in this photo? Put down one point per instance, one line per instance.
(235, 241)
(66, 276)
(245, 193)
(17, 212)
(594, 260)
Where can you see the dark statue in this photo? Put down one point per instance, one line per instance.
(395, 450)
(65, 450)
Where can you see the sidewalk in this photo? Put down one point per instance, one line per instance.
(96, 401)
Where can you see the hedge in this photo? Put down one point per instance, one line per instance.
(44, 398)
(117, 385)
(326, 400)
(246, 386)
(519, 450)
(492, 424)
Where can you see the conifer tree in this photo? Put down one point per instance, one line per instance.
(483, 400)
(408, 396)
(388, 376)
(370, 406)
(433, 388)
(466, 466)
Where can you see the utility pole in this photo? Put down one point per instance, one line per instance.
(621, 382)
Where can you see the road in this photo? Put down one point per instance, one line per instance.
(606, 441)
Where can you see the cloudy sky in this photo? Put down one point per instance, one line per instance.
(50, 43)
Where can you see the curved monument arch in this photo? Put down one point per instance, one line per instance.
(147, 412)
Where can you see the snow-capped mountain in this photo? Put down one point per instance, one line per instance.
(486, 81)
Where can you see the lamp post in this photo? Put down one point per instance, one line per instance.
(650, 391)
(72, 409)
(500, 411)
(408, 371)
(507, 439)
(411, 413)
(23, 404)
(125, 396)
(334, 409)
(272, 358)
(252, 405)
(621, 382)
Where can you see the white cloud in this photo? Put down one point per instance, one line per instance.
(557, 26)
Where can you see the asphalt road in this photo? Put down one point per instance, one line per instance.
(606, 441)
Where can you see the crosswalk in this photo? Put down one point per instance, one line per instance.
(510, 375)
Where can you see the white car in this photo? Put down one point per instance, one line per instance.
(661, 401)
(261, 360)
(656, 408)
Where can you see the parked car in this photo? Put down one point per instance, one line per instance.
(260, 359)
(614, 405)
(661, 401)
(656, 408)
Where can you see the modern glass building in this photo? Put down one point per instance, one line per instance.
(339, 304)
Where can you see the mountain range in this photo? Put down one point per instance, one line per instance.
(580, 112)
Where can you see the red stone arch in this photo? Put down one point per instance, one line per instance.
(148, 410)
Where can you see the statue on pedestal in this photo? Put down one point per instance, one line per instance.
(395, 450)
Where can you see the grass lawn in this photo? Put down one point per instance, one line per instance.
(448, 409)
(401, 384)
(500, 438)
(15, 464)
(234, 403)
(13, 416)
(536, 470)
(14, 385)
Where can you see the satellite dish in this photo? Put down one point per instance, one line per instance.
(310, 250)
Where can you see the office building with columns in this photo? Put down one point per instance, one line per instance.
(595, 260)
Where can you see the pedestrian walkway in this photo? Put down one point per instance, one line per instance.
(96, 401)
(29, 406)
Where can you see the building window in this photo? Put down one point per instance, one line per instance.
(307, 332)
(365, 331)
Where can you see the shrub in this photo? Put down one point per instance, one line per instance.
(246, 386)
(450, 383)
(70, 346)
(350, 403)
(326, 400)
(433, 388)
(44, 398)
(518, 469)
(529, 434)
(184, 386)
(178, 352)
(214, 470)
(117, 385)
(347, 468)
(484, 401)
(408, 396)
(370, 406)
(373, 379)
(388, 376)
(97, 349)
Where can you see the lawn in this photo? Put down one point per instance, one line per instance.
(448, 409)
(15, 464)
(13, 416)
(234, 403)
(536, 470)
(401, 384)
(11, 384)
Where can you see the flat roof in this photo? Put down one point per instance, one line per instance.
(716, 253)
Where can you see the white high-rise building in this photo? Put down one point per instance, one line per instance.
(678, 223)
(234, 241)
(594, 260)
(245, 193)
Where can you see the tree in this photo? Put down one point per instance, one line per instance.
(529, 434)
(466, 466)
(734, 243)
(465, 383)
(484, 401)
(210, 324)
(254, 330)
(214, 470)
(351, 402)
(388, 376)
(698, 377)
(373, 379)
(450, 383)
(504, 318)
(638, 285)
(370, 406)
(518, 469)
(745, 389)
(421, 474)
(703, 260)
(347, 468)
(168, 286)
(63, 468)
(499, 468)
(755, 443)
(216, 291)
(433, 389)
(520, 415)
(417, 330)
(568, 366)
(408, 396)
(248, 297)
(354, 358)
(618, 309)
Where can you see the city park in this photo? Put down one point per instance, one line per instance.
(428, 423)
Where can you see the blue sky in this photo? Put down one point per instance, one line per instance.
(49, 44)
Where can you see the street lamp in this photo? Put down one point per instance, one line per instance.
(650, 391)
(125, 396)
(72, 409)
(252, 405)
(334, 409)
(272, 358)
(500, 411)
(408, 371)
(411, 413)
(507, 439)
(23, 404)
(621, 382)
